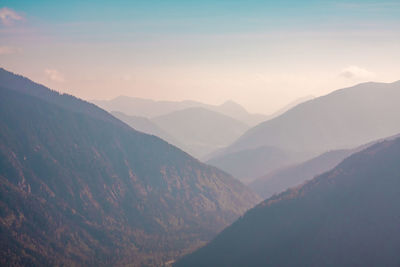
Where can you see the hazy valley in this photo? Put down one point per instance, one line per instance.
(200, 133)
(114, 195)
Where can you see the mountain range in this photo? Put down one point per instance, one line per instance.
(343, 119)
(197, 131)
(194, 127)
(278, 181)
(250, 163)
(197, 128)
(348, 216)
(147, 126)
(80, 187)
(201, 130)
(148, 108)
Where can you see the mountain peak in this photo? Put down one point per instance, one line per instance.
(232, 105)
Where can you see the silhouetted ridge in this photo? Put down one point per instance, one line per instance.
(79, 187)
(21, 84)
(348, 216)
(282, 179)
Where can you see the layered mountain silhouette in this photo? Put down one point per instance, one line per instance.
(80, 187)
(145, 125)
(348, 216)
(200, 130)
(343, 119)
(278, 181)
(236, 111)
(250, 163)
(194, 127)
(135, 106)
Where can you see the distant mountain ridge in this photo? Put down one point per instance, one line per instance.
(290, 106)
(80, 187)
(176, 121)
(280, 180)
(348, 216)
(135, 106)
(257, 161)
(200, 130)
(343, 119)
(145, 125)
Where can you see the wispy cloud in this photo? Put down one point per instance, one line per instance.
(9, 16)
(54, 75)
(7, 50)
(356, 73)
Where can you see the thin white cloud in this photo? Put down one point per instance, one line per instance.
(9, 16)
(7, 50)
(54, 75)
(356, 73)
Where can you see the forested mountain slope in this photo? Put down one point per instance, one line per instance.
(79, 187)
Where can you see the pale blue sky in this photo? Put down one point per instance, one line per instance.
(261, 54)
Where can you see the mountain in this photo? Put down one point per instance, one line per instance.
(150, 108)
(348, 216)
(343, 119)
(282, 179)
(290, 106)
(145, 125)
(79, 187)
(249, 164)
(278, 181)
(201, 130)
(257, 161)
(234, 110)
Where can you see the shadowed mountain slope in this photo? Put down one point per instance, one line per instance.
(280, 180)
(79, 187)
(348, 216)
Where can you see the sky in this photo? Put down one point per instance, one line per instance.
(261, 54)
